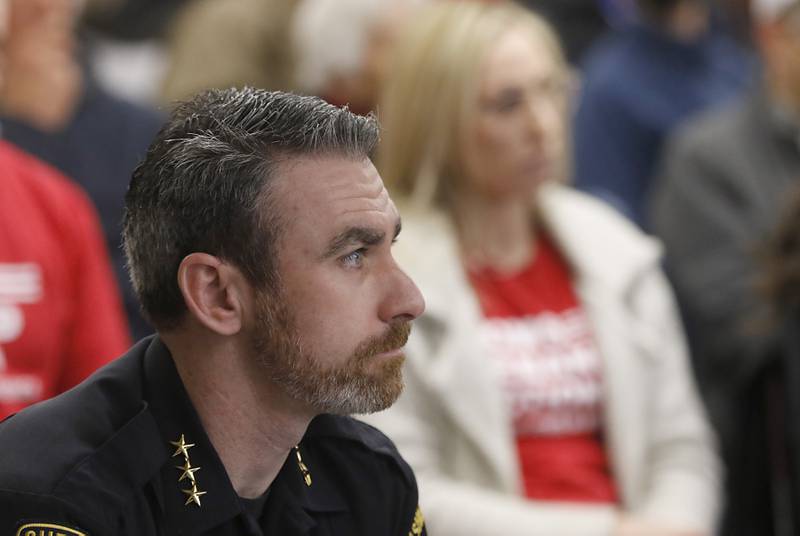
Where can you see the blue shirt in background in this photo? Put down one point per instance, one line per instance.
(638, 85)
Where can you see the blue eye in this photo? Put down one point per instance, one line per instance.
(354, 259)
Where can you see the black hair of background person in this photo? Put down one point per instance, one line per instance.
(732, 16)
(578, 23)
(131, 20)
(657, 8)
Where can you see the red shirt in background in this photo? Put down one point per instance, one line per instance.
(61, 315)
(550, 371)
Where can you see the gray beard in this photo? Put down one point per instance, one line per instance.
(345, 389)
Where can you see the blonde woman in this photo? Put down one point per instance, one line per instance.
(548, 391)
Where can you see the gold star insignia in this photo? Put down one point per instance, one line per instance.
(193, 496)
(188, 471)
(183, 447)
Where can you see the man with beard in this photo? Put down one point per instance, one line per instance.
(258, 236)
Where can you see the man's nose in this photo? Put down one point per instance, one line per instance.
(403, 301)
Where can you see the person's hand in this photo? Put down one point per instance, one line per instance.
(635, 526)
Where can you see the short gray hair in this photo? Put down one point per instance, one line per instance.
(203, 185)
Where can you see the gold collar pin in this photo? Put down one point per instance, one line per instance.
(302, 466)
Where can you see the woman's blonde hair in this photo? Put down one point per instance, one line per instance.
(431, 93)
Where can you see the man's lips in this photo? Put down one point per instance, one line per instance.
(397, 352)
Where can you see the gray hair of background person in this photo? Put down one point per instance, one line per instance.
(204, 185)
(432, 93)
(329, 38)
(765, 10)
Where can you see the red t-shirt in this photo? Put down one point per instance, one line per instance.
(60, 312)
(550, 370)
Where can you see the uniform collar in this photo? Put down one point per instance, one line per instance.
(291, 502)
(175, 417)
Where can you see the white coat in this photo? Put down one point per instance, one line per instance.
(453, 427)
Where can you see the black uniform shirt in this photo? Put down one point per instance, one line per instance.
(105, 459)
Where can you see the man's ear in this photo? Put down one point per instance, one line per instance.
(213, 291)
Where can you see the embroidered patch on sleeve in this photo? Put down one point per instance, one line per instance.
(416, 526)
(48, 529)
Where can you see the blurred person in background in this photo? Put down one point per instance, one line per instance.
(341, 48)
(60, 312)
(51, 108)
(547, 384)
(229, 43)
(61, 316)
(722, 183)
(639, 83)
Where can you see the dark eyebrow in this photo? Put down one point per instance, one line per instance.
(366, 236)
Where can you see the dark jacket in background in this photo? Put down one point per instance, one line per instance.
(723, 182)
